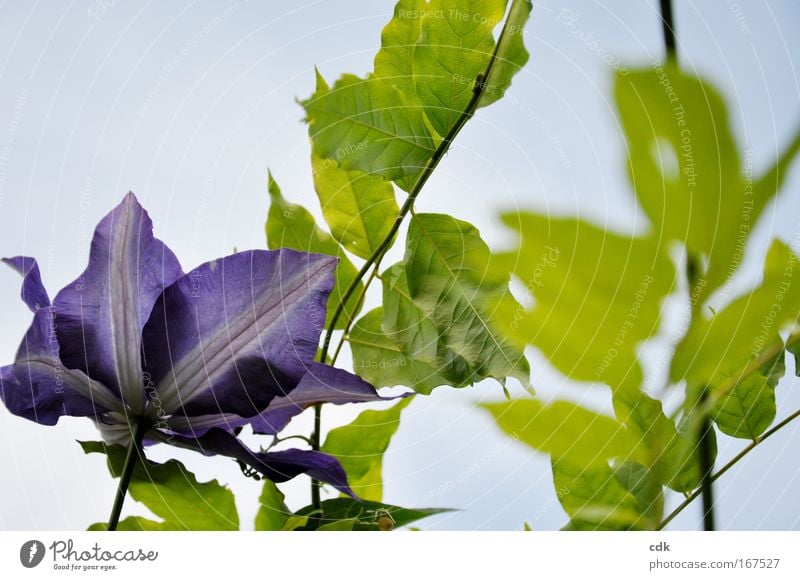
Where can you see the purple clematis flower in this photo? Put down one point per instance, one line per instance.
(194, 357)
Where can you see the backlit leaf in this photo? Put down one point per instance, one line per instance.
(597, 295)
(360, 445)
(172, 492)
(511, 54)
(292, 226)
(455, 47)
(366, 515)
(370, 126)
(378, 359)
(272, 513)
(439, 304)
(735, 352)
(564, 430)
(359, 208)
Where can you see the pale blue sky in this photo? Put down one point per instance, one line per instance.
(187, 104)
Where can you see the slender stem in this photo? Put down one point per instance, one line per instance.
(134, 453)
(706, 452)
(350, 320)
(430, 166)
(316, 501)
(668, 25)
(741, 455)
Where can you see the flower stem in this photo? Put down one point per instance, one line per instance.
(705, 448)
(741, 455)
(668, 25)
(134, 453)
(431, 165)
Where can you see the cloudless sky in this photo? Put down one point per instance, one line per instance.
(188, 103)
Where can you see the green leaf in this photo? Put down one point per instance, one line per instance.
(370, 126)
(564, 430)
(663, 448)
(734, 354)
(687, 171)
(366, 515)
(272, 514)
(793, 347)
(456, 45)
(173, 493)
(359, 208)
(136, 524)
(598, 497)
(379, 360)
(439, 304)
(749, 408)
(394, 62)
(597, 296)
(347, 525)
(292, 226)
(511, 54)
(360, 446)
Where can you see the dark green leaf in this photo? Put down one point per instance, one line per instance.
(367, 515)
(137, 524)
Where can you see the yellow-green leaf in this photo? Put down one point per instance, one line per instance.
(359, 208)
(292, 226)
